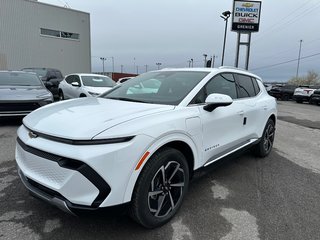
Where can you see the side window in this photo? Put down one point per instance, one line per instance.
(245, 86)
(58, 74)
(255, 85)
(222, 83)
(77, 79)
(69, 79)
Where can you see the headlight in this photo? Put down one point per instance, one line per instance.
(46, 97)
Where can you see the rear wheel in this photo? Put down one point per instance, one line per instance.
(299, 101)
(264, 147)
(160, 188)
(82, 95)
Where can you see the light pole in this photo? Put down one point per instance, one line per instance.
(146, 67)
(112, 64)
(158, 64)
(213, 60)
(225, 16)
(103, 59)
(297, 75)
(205, 59)
(191, 62)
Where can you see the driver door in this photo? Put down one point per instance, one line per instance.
(221, 128)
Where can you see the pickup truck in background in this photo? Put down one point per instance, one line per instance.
(51, 78)
(283, 92)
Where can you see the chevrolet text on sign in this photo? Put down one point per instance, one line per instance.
(246, 16)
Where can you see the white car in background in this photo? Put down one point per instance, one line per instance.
(84, 85)
(303, 93)
(141, 142)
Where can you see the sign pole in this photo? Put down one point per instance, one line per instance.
(248, 50)
(236, 64)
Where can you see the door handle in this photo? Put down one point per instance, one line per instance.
(241, 112)
(265, 107)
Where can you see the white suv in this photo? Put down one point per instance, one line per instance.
(142, 144)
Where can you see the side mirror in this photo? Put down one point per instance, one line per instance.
(75, 84)
(216, 100)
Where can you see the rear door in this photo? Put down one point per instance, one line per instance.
(249, 101)
(67, 89)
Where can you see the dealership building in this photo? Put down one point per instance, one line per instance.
(34, 34)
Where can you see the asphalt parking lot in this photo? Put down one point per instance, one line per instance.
(240, 198)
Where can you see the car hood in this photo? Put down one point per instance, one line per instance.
(84, 118)
(20, 93)
(98, 90)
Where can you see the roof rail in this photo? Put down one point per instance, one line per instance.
(230, 67)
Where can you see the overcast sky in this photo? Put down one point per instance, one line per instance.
(144, 32)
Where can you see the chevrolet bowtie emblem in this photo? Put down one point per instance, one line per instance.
(32, 135)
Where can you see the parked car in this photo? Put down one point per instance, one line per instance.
(84, 85)
(284, 92)
(143, 147)
(51, 78)
(124, 79)
(315, 97)
(303, 93)
(21, 93)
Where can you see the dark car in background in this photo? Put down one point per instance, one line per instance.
(283, 92)
(21, 93)
(51, 78)
(315, 97)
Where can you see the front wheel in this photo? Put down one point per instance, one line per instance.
(160, 188)
(264, 147)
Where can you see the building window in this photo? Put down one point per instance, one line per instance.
(59, 34)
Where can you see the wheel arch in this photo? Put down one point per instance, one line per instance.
(181, 142)
(273, 118)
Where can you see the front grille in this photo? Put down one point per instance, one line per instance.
(44, 189)
(76, 165)
(19, 107)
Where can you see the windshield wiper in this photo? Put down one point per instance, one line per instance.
(127, 99)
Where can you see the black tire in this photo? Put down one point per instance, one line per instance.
(264, 147)
(157, 197)
(82, 95)
(299, 101)
(61, 95)
(311, 101)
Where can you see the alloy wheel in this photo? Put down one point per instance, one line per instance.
(166, 189)
(268, 138)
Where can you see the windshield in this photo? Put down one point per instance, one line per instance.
(19, 79)
(97, 81)
(39, 71)
(161, 87)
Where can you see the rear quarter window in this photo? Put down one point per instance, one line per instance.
(245, 86)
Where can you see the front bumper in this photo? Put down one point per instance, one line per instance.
(20, 108)
(85, 177)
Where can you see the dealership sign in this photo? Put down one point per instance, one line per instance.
(246, 16)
